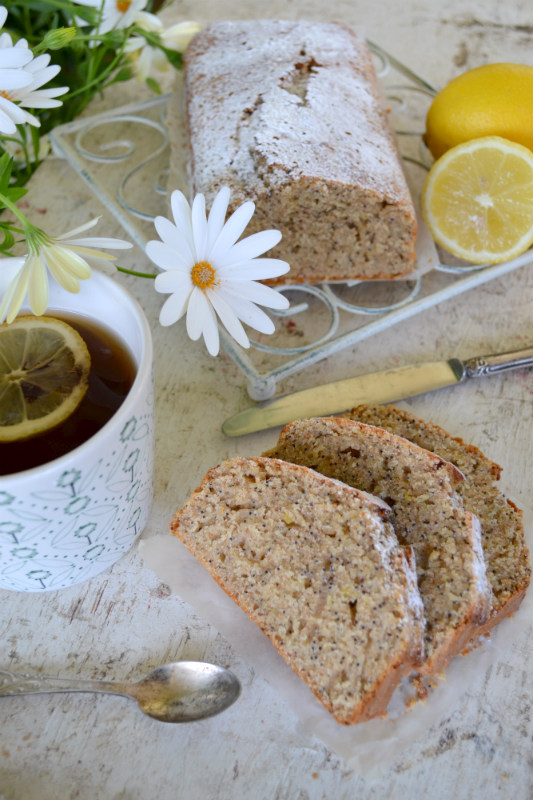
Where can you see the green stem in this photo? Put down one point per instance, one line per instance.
(12, 207)
(98, 79)
(135, 274)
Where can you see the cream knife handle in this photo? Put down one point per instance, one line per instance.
(490, 365)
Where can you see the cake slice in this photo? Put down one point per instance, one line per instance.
(317, 566)
(288, 114)
(502, 531)
(427, 513)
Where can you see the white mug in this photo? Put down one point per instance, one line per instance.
(68, 520)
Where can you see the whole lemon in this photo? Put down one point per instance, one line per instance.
(493, 100)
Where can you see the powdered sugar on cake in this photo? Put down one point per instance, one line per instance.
(286, 125)
(289, 115)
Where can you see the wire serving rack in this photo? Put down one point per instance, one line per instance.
(125, 153)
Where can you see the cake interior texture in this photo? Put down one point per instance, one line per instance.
(427, 513)
(317, 566)
(502, 531)
(289, 114)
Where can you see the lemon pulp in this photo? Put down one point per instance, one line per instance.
(478, 200)
(492, 100)
(44, 373)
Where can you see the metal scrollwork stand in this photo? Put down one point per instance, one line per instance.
(322, 319)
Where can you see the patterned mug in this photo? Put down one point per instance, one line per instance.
(71, 518)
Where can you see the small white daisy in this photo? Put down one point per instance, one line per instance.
(62, 256)
(13, 102)
(145, 56)
(13, 77)
(116, 14)
(207, 272)
(21, 78)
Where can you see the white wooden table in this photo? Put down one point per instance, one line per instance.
(126, 621)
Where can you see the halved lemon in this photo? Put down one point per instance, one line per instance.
(477, 200)
(44, 373)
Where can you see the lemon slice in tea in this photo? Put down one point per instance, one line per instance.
(44, 373)
(477, 200)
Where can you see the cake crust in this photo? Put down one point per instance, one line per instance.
(502, 530)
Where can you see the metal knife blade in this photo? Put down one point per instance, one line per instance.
(374, 387)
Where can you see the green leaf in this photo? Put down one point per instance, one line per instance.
(15, 193)
(7, 242)
(6, 165)
(153, 85)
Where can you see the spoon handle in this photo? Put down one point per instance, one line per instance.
(13, 683)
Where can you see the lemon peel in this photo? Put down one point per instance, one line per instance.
(492, 100)
(44, 373)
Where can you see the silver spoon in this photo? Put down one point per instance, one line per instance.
(178, 692)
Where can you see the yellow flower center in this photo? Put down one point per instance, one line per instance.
(203, 275)
(5, 94)
(123, 5)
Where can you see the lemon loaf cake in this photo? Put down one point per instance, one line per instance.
(288, 114)
(427, 513)
(502, 531)
(317, 566)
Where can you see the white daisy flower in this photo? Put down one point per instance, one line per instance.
(208, 273)
(115, 14)
(145, 56)
(13, 77)
(178, 36)
(21, 78)
(13, 102)
(62, 256)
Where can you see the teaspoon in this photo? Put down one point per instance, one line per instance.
(180, 692)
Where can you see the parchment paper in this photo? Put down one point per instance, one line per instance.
(365, 747)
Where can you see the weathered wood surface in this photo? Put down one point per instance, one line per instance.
(126, 621)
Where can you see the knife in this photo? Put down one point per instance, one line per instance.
(374, 387)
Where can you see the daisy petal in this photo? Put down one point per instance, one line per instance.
(86, 251)
(69, 261)
(217, 216)
(228, 318)
(174, 238)
(15, 113)
(257, 269)
(210, 332)
(38, 287)
(12, 60)
(80, 229)
(29, 119)
(252, 246)
(40, 63)
(231, 231)
(34, 100)
(199, 228)
(259, 293)
(67, 268)
(181, 211)
(15, 292)
(166, 257)
(41, 74)
(6, 124)
(173, 281)
(197, 309)
(201, 320)
(173, 309)
(99, 241)
(249, 313)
